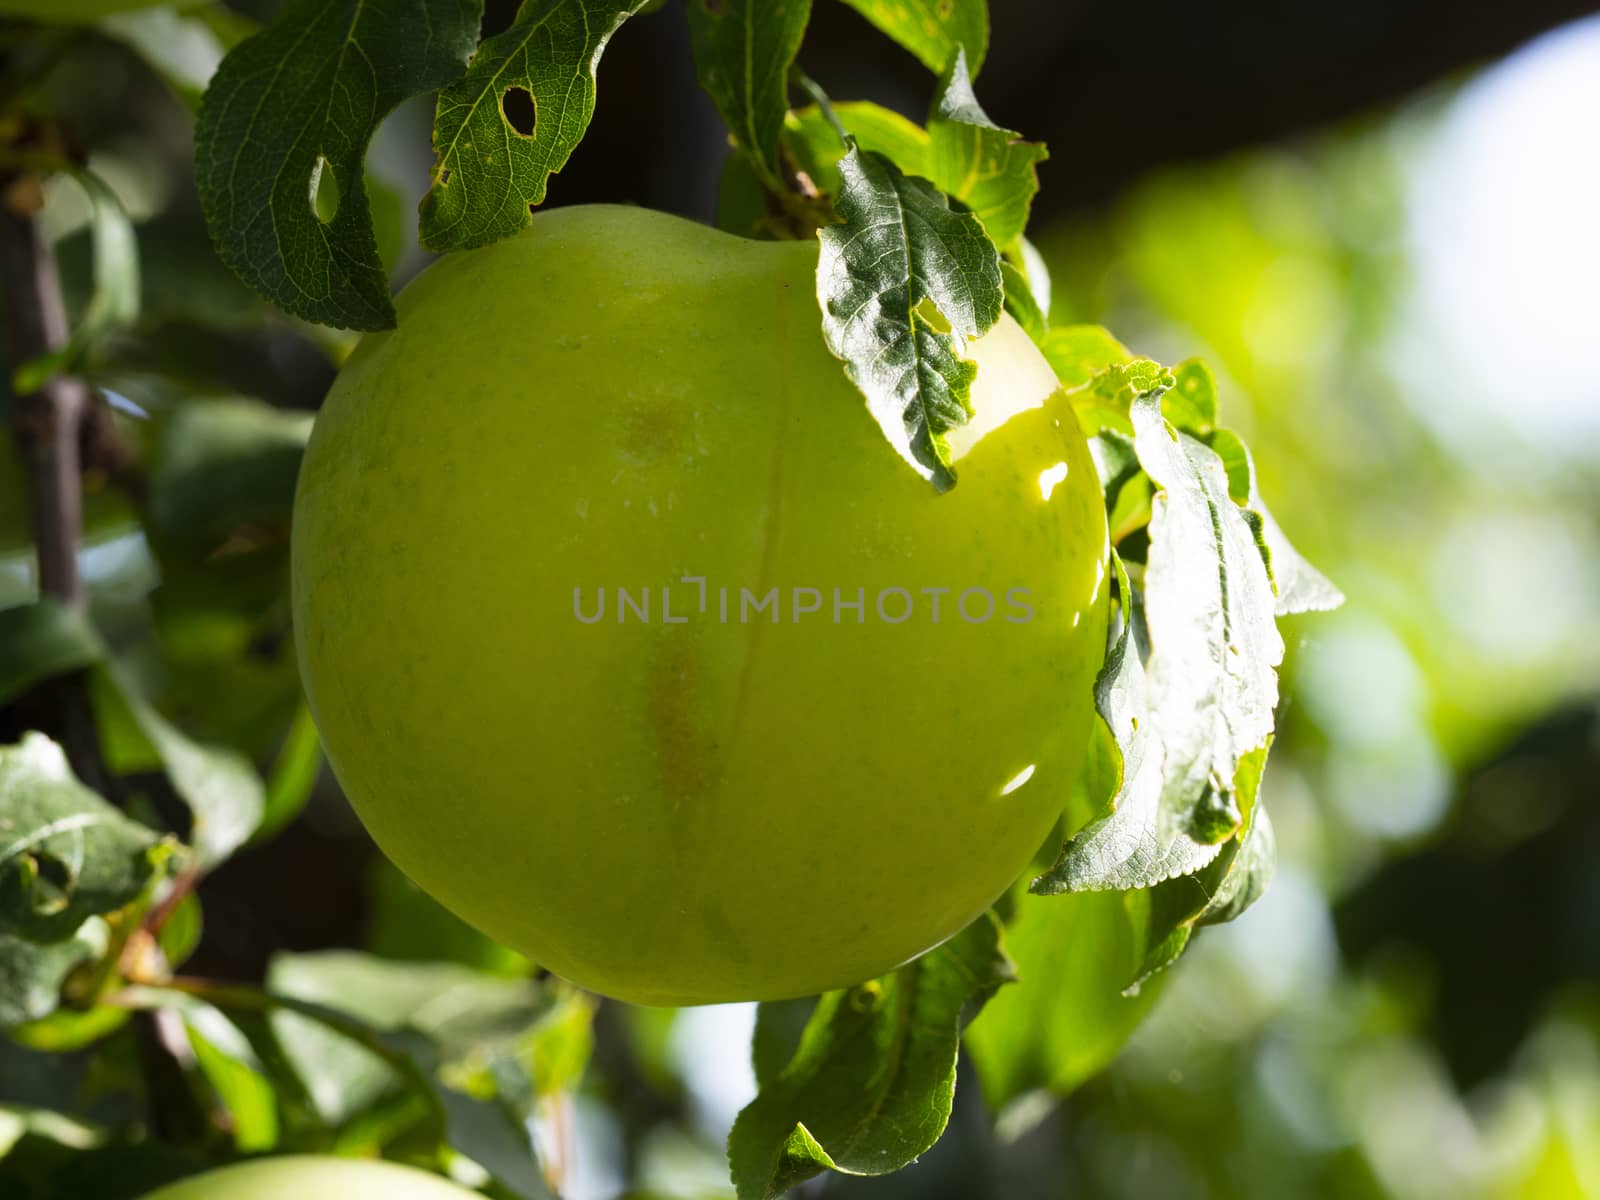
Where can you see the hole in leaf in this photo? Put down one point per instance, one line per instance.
(928, 312)
(324, 191)
(519, 110)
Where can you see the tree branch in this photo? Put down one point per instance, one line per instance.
(48, 422)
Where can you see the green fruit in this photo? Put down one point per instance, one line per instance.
(701, 810)
(310, 1177)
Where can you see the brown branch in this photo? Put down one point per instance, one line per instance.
(48, 422)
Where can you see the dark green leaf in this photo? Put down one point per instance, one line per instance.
(38, 641)
(224, 463)
(741, 200)
(31, 975)
(870, 1086)
(989, 169)
(933, 30)
(1214, 644)
(742, 51)
(114, 301)
(490, 171)
(900, 250)
(779, 1027)
(288, 116)
(65, 854)
(219, 785)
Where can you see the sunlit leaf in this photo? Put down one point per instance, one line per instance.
(1214, 643)
(933, 30)
(1128, 847)
(899, 250)
(1300, 587)
(989, 169)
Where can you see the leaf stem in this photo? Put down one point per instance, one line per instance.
(819, 97)
(242, 998)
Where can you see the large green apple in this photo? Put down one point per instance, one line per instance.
(532, 529)
(313, 1177)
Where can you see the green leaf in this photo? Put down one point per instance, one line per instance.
(780, 1024)
(223, 463)
(1115, 462)
(455, 1024)
(818, 150)
(1300, 587)
(31, 974)
(1069, 1015)
(1020, 302)
(1077, 353)
(1128, 848)
(228, 1061)
(1191, 403)
(933, 30)
(179, 935)
(742, 51)
(489, 171)
(219, 785)
(1214, 644)
(113, 303)
(1249, 874)
(65, 854)
(989, 169)
(900, 250)
(453, 1006)
(293, 775)
(870, 1086)
(41, 640)
(288, 116)
(1219, 892)
(184, 49)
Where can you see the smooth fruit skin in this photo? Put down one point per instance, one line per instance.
(311, 1177)
(689, 812)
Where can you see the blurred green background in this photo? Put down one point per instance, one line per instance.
(1400, 295)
